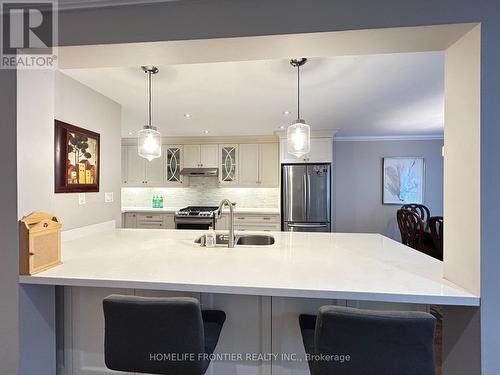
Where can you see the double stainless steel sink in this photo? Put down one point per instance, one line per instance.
(243, 240)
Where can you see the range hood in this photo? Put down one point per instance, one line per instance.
(200, 172)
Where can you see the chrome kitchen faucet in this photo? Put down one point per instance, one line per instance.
(226, 202)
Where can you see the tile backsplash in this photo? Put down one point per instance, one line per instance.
(204, 191)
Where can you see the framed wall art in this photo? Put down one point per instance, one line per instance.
(403, 180)
(76, 159)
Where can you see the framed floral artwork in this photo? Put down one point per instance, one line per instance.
(403, 180)
(76, 159)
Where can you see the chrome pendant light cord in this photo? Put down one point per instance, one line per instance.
(149, 98)
(298, 92)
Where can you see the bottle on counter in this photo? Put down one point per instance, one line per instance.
(210, 238)
(160, 201)
(154, 202)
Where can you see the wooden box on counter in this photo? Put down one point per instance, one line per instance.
(39, 243)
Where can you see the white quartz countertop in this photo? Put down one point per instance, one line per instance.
(316, 265)
(239, 210)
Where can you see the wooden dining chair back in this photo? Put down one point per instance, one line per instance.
(419, 209)
(436, 226)
(411, 227)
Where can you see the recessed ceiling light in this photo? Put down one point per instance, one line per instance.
(187, 115)
(206, 131)
(130, 133)
(286, 113)
(282, 127)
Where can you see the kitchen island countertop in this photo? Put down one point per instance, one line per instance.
(349, 266)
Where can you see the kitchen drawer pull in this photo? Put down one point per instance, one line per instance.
(266, 218)
(307, 225)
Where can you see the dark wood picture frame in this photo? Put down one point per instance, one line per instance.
(62, 132)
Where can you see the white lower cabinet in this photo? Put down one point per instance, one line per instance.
(84, 330)
(247, 330)
(254, 325)
(250, 222)
(146, 220)
(286, 335)
(257, 222)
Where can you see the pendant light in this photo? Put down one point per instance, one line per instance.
(299, 133)
(149, 138)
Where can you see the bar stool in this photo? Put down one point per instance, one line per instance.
(347, 341)
(159, 335)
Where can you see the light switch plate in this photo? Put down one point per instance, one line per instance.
(81, 198)
(108, 197)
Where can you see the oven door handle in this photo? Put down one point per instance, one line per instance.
(184, 220)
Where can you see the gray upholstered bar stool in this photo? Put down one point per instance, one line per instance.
(367, 342)
(159, 335)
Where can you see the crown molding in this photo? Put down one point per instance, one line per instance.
(209, 140)
(429, 137)
(322, 133)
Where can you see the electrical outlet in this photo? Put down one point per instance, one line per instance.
(81, 198)
(108, 197)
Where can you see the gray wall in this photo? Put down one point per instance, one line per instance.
(75, 104)
(219, 18)
(357, 186)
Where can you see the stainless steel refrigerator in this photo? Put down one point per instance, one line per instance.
(305, 197)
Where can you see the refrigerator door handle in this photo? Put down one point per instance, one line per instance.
(307, 225)
(306, 195)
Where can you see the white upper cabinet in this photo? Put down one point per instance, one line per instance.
(124, 166)
(192, 156)
(321, 152)
(228, 168)
(155, 171)
(137, 171)
(249, 164)
(246, 165)
(269, 165)
(173, 164)
(209, 156)
(259, 165)
(200, 156)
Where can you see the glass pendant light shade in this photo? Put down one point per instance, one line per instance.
(298, 134)
(149, 143)
(298, 138)
(149, 138)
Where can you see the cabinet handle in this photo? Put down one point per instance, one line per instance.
(266, 218)
(241, 218)
(149, 217)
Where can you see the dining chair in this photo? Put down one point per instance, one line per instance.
(420, 209)
(436, 224)
(348, 341)
(411, 227)
(159, 335)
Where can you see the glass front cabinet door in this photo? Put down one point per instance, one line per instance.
(228, 173)
(174, 164)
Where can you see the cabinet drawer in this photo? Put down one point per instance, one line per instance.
(149, 217)
(150, 225)
(258, 219)
(258, 228)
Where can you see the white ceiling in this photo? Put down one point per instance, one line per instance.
(372, 95)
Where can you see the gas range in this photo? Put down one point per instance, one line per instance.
(197, 211)
(196, 217)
